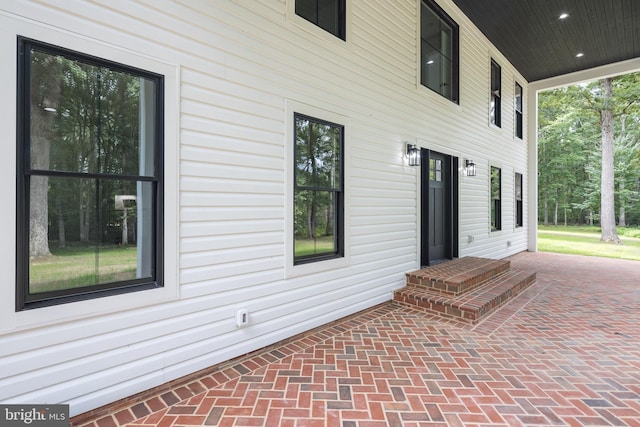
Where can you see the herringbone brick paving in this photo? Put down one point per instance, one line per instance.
(566, 352)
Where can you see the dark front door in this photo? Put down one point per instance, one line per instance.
(439, 240)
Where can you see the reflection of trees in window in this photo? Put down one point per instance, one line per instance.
(90, 137)
(518, 111)
(496, 204)
(318, 189)
(519, 205)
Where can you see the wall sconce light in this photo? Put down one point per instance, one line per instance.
(413, 154)
(469, 168)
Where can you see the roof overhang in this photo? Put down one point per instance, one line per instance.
(542, 46)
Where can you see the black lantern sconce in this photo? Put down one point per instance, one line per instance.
(469, 168)
(413, 154)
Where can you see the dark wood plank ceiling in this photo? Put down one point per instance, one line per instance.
(540, 45)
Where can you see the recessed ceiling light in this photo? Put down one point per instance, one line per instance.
(429, 62)
(563, 16)
(579, 55)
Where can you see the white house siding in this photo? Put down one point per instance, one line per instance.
(241, 69)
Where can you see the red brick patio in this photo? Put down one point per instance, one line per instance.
(566, 352)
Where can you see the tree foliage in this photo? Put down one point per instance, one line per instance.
(317, 177)
(570, 151)
(90, 128)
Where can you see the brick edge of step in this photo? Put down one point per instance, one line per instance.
(469, 307)
(457, 283)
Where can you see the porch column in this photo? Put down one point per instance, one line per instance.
(532, 167)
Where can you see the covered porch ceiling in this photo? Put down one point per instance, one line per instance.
(540, 44)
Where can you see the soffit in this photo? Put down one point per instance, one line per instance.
(531, 36)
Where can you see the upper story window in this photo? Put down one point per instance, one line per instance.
(438, 51)
(496, 202)
(318, 189)
(518, 196)
(89, 177)
(326, 14)
(518, 111)
(495, 112)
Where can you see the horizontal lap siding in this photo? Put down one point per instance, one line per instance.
(240, 61)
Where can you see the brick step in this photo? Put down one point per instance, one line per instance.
(458, 276)
(471, 306)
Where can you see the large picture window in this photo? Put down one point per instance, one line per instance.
(318, 189)
(89, 181)
(326, 14)
(496, 196)
(438, 51)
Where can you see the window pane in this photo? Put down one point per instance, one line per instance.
(496, 205)
(317, 150)
(329, 16)
(518, 97)
(495, 78)
(437, 71)
(495, 183)
(430, 27)
(446, 85)
(89, 118)
(438, 49)
(99, 231)
(492, 110)
(519, 130)
(315, 223)
(495, 109)
(326, 14)
(308, 9)
(318, 185)
(518, 112)
(446, 40)
(431, 65)
(518, 186)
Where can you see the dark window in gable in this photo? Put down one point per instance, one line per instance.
(318, 189)
(496, 94)
(89, 177)
(326, 14)
(439, 57)
(518, 111)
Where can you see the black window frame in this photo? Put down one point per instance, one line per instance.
(338, 195)
(496, 202)
(339, 12)
(519, 110)
(455, 49)
(24, 299)
(495, 112)
(519, 196)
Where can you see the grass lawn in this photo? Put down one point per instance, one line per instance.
(586, 241)
(73, 267)
(314, 246)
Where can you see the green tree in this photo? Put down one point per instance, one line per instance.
(588, 152)
(91, 127)
(45, 96)
(562, 152)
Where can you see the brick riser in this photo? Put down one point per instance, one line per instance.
(458, 276)
(473, 305)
